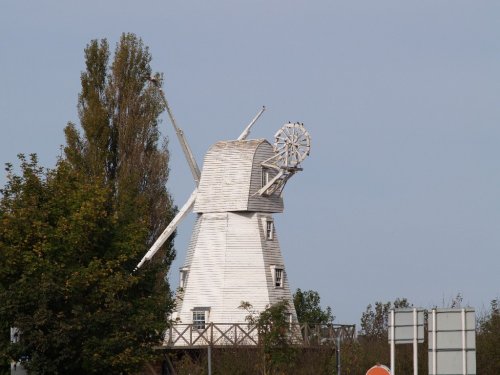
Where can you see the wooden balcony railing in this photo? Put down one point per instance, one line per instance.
(243, 334)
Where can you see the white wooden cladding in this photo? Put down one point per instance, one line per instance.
(231, 177)
(232, 256)
(230, 260)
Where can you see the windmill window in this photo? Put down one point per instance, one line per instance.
(265, 176)
(183, 277)
(278, 276)
(199, 319)
(269, 229)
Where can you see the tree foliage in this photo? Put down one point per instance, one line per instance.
(70, 237)
(488, 341)
(308, 308)
(273, 327)
(375, 319)
(373, 347)
(119, 110)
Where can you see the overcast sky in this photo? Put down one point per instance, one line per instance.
(400, 196)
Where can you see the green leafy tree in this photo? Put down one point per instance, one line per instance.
(308, 308)
(488, 341)
(373, 337)
(4, 343)
(375, 319)
(275, 344)
(70, 237)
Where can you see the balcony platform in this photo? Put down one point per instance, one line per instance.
(192, 336)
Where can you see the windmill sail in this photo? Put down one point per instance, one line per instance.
(193, 166)
(188, 206)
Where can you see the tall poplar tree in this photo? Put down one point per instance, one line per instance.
(119, 114)
(70, 237)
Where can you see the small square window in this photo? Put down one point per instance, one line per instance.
(269, 229)
(198, 319)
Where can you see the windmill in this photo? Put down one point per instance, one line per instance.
(234, 254)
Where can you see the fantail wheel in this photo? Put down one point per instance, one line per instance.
(292, 144)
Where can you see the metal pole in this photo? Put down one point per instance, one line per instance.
(393, 345)
(464, 345)
(209, 360)
(434, 340)
(415, 343)
(338, 356)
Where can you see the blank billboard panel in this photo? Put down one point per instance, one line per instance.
(450, 363)
(404, 326)
(452, 342)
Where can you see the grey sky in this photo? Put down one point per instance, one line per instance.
(400, 196)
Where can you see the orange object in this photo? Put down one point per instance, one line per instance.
(379, 370)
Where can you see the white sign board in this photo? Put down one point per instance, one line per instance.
(406, 326)
(405, 321)
(452, 342)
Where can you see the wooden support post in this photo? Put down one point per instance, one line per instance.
(209, 359)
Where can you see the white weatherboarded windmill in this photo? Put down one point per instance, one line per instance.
(234, 254)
